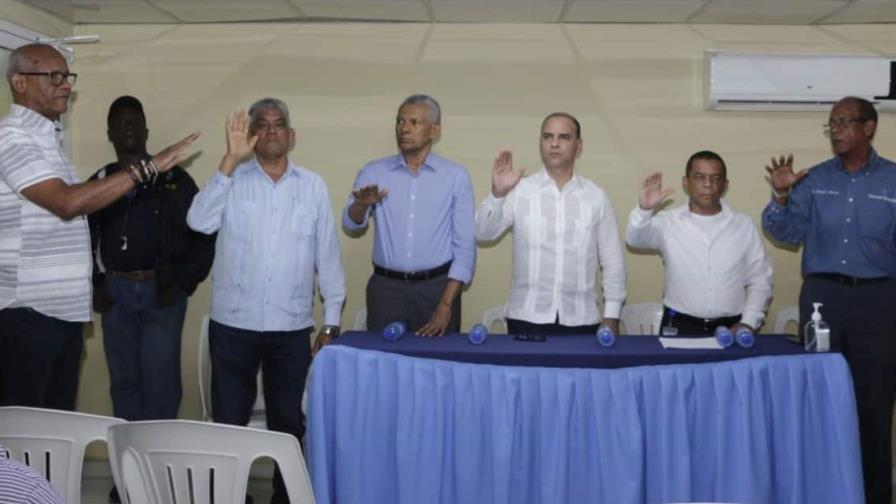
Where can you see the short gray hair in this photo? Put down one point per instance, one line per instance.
(269, 103)
(19, 61)
(435, 111)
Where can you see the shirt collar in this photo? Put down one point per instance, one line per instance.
(33, 121)
(870, 166)
(724, 214)
(542, 179)
(291, 169)
(430, 162)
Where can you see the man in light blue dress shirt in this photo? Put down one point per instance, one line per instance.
(424, 249)
(275, 232)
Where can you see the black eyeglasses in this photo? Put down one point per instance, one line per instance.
(840, 123)
(56, 77)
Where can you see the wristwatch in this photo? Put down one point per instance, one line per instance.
(330, 331)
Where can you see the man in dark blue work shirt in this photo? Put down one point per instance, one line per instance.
(146, 262)
(843, 211)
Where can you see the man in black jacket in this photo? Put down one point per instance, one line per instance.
(147, 261)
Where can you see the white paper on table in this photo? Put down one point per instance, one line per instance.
(691, 343)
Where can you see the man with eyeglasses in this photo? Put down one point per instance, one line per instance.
(717, 270)
(276, 233)
(843, 212)
(45, 263)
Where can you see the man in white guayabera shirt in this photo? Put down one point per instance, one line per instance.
(717, 270)
(563, 230)
(45, 264)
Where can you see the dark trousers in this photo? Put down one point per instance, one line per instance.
(40, 359)
(517, 326)
(412, 302)
(142, 343)
(863, 328)
(284, 357)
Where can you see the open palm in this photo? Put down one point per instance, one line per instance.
(504, 177)
(652, 192)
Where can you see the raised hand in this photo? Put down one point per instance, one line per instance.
(781, 175)
(174, 153)
(239, 143)
(369, 195)
(652, 193)
(504, 177)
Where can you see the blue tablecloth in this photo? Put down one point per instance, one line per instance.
(391, 428)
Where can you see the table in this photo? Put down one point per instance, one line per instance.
(387, 424)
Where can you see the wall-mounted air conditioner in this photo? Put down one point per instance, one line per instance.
(750, 81)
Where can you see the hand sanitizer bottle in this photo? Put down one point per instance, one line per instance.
(817, 334)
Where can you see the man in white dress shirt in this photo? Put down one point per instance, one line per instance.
(717, 270)
(563, 230)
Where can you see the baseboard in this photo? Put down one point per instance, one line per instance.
(262, 469)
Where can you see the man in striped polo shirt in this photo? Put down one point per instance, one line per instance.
(19, 484)
(45, 264)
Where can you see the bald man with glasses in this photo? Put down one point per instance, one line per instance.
(45, 264)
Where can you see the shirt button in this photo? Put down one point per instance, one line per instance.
(846, 240)
(410, 235)
(843, 261)
(848, 219)
(850, 200)
(412, 216)
(413, 197)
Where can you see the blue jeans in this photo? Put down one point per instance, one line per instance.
(142, 344)
(284, 357)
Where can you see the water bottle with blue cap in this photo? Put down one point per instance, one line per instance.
(478, 334)
(724, 336)
(605, 336)
(745, 337)
(394, 331)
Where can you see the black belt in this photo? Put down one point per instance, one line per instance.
(708, 323)
(849, 280)
(412, 276)
(134, 276)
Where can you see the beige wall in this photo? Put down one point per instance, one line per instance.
(636, 89)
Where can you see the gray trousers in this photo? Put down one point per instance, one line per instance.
(390, 300)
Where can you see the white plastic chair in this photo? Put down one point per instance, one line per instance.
(784, 317)
(494, 315)
(183, 461)
(52, 443)
(641, 318)
(258, 419)
(360, 320)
